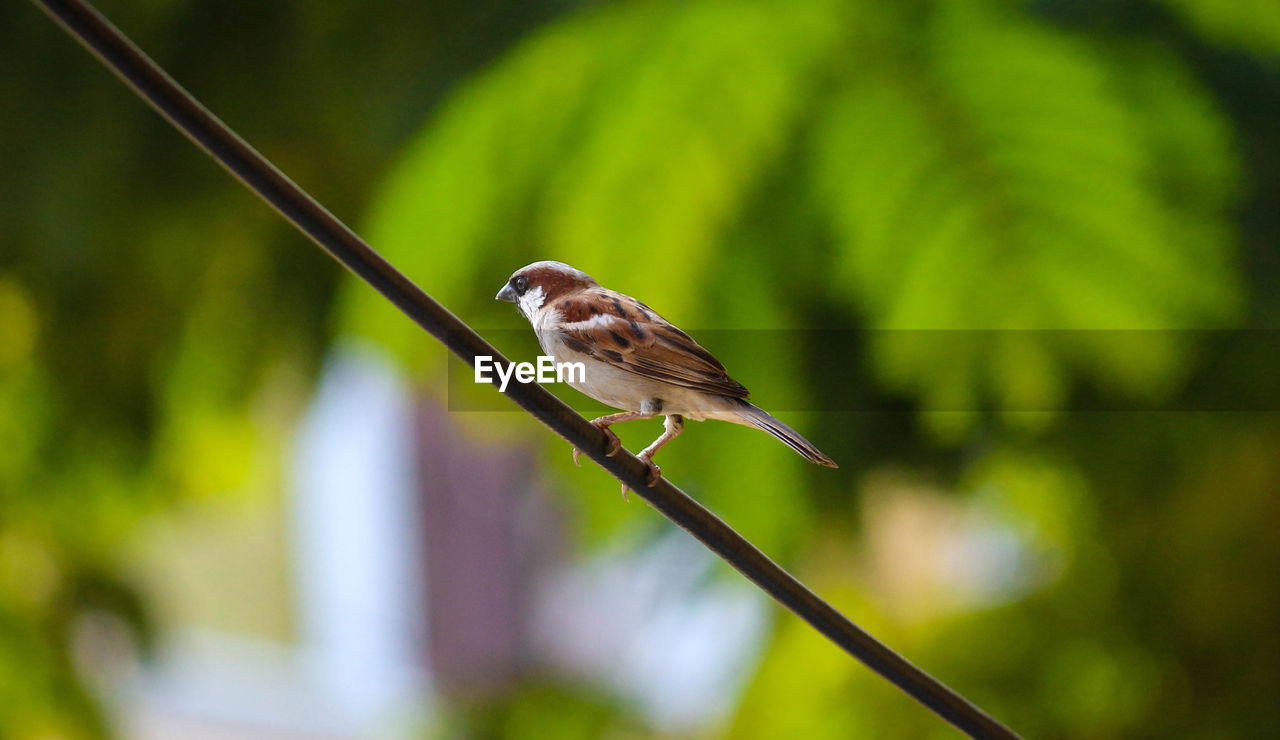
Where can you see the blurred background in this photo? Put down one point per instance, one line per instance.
(1013, 264)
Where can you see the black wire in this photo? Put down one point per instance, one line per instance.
(220, 142)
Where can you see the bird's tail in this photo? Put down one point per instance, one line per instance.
(760, 419)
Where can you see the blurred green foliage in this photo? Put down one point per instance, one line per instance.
(1253, 25)
(157, 324)
(837, 164)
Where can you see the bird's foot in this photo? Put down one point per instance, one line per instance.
(614, 444)
(652, 478)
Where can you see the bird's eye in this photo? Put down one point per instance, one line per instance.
(520, 283)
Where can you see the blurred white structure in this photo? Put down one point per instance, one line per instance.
(651, 623)
(358, 668)
(359, 570)
(655, 625)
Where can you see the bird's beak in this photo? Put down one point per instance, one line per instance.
(507, 294)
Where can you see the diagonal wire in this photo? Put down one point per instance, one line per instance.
(150, 82)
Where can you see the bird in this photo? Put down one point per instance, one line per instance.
(634, 360)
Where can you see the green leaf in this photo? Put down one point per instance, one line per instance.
(634, 129)
(1000, 178)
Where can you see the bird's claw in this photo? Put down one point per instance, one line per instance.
(614, 444)
(652, 478)
(655, 472)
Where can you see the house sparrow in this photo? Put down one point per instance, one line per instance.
(634, 360)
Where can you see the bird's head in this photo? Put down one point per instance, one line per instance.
(534, 285)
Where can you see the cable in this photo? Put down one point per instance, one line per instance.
(147, 79)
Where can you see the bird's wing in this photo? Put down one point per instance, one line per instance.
(621, 331)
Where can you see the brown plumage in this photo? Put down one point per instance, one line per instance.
(653, 349)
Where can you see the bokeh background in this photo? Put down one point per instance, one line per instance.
(1013, 264)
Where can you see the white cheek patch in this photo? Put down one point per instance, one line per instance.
(531, 301)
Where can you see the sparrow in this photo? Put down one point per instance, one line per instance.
(634, 360)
